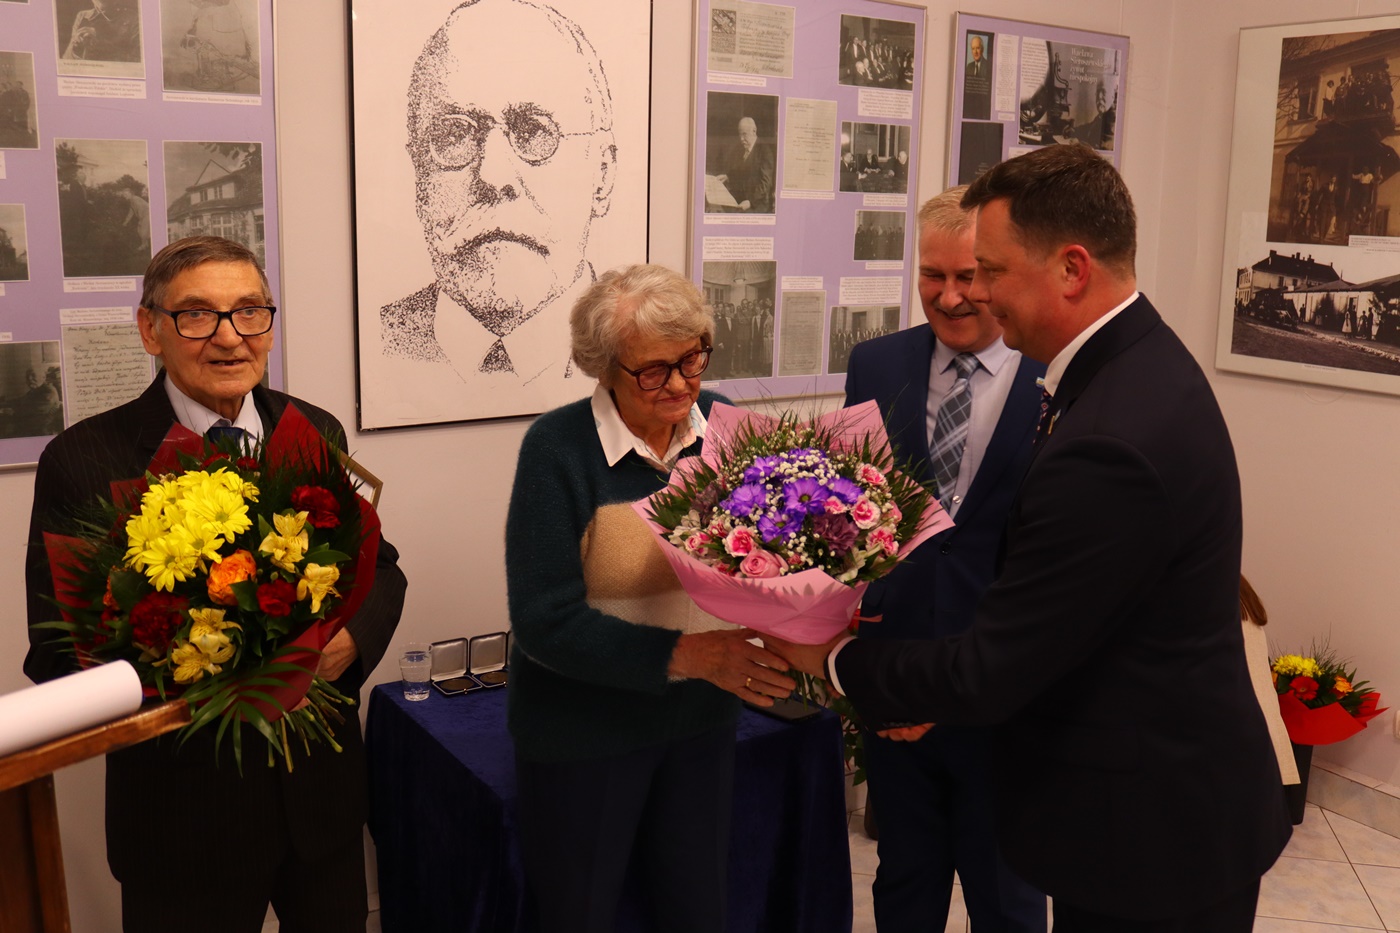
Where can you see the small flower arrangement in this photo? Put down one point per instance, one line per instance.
(220, 576)
(1320, 698)
(781, 523)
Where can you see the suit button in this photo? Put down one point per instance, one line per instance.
(946, 549)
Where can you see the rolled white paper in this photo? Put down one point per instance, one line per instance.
(69, 704)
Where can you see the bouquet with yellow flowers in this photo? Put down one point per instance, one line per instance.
(1320, 698)
(220, 576)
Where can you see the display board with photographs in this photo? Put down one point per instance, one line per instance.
(471, 246)
(1311, 284)
(1018, 86)
(804, 187)
(123, 125)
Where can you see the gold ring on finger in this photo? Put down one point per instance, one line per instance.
(748, 683)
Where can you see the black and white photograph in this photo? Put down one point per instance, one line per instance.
(879, 236)
(875, 158)
(977, 76)
(211, 46)
(31, 389)
(979, 148)
(472, 246)
(1069, 93)
(215, 189)
(1307, 297)
(741, 153)
(850, 324)
(876, 53)
(99, 37)
(742, 295)
(1335, 139)
(104, 209)
(14, 244)
(19, 114)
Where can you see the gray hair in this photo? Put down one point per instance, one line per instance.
(944, 212)
(183, 255)
(644, 300)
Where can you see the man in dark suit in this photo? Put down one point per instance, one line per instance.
(933, 797)
(1135, 781)
(749, 170)
(292, 839)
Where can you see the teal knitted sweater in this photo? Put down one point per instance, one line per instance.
(584, 682)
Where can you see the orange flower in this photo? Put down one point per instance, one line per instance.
(1341, 686)
(235, 568)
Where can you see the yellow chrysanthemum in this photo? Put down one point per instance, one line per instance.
(191, 664)
(192, 479)
(1293, 665)
(157, 495)
(317, 581)
(169, 558)
(223, 510)
(287, 545)
(141, 530)
(236, 484)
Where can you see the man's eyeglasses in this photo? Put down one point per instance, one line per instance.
(455, 140)
(658, 374)
(202, 323)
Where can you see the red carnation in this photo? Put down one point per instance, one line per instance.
(214, 458)
(246, 463)
(321, 509)
(155, 618)
(1304, 688)
(277, 598)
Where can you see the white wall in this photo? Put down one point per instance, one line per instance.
(1320, 504)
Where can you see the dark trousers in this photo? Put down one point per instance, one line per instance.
(664, 808)
(933, 803)
(324, 896)
(1232, 914)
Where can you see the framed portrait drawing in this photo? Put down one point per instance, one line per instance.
(1311, 283)
(1019, 86)
(500, 163)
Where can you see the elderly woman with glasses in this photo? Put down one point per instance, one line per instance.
(624, 694)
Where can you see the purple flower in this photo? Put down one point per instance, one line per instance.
(780, 524)
(708, 498)
(743, 501)
(762, 468)
(805, 495)
(838, 531)
(845, 490)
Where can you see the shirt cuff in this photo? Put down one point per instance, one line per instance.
(831, 664)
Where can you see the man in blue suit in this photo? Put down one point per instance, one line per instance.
(933, 797)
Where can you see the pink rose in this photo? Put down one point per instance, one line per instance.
(882, 538)
(696, 542)
(870, 476)
(739, 542)
(761, 564)
(865, 513)
(834, 506)
(892, 514)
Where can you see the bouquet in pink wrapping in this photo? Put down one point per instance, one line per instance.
(781, 524)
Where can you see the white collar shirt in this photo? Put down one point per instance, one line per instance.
(618, 440)
(199, 419)
(1056, 370)
(990, 384)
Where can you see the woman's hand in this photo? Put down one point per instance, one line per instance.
(727, 660)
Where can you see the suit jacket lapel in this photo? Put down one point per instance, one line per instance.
(154, 417)
(1130, 326)
(910, 409)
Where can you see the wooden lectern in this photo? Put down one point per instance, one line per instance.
(33, 896)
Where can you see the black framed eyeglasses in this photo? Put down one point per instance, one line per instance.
(203, 323)
(455, 140)
(658, 374)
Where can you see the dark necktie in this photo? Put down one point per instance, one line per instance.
(950, 429)
(497, 360)
(222, 432)
(1042, 426)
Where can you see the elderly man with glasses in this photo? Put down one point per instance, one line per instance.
(291, 838)
(510, 175)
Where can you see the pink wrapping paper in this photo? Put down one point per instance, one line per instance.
(810, 607)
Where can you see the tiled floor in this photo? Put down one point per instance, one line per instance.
(1336, 876)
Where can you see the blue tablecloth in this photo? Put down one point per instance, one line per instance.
(442, 813)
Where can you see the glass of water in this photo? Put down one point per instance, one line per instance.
(415, 666)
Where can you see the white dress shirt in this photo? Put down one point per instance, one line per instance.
(199, 419)
(990, 385)
(618, 440)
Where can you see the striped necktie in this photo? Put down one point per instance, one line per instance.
(223, 431)
(950, 429)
